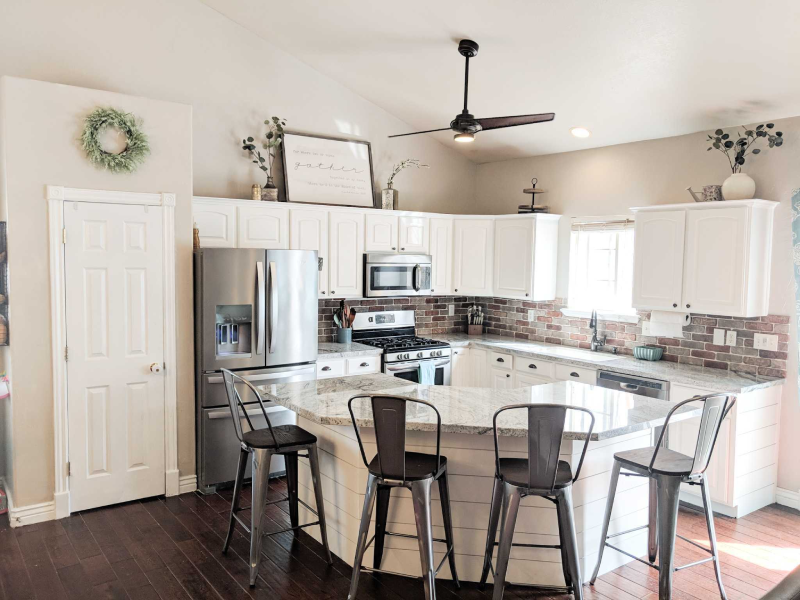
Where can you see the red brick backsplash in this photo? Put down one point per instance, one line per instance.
(510, 318)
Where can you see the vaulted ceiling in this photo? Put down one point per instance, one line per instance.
(627, 70)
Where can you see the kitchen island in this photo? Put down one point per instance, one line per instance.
(623, 422)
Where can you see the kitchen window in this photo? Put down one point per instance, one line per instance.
(601, 268)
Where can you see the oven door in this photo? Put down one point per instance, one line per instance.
(410, 371)
(392, 279)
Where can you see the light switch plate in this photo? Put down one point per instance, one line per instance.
(730, 338)
(764, 341)
(451, 310)
(645, 327)
(719, 337)
(531, 316)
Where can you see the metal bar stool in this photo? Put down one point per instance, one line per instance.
(286, 440)
(668, 469)
(541, 474)
(393, 467)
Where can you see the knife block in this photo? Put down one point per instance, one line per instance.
(474, 329)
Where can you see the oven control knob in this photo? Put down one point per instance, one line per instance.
(405, 356)
(419, 354)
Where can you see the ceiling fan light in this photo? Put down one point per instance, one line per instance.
(580, 132)
(464, 137)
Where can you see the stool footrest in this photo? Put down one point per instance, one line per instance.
(654, 566)
(626, 553)
(521, 545)
(613, 535)
(693, 543)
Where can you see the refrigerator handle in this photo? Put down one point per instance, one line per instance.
(260, 308)
(273, 304)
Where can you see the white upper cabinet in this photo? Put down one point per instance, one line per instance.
(308, 230)
(441, 249)
(263, 225)
(723, 263)
(381, 232)
(346, 254)
(413, 235)
(473, 256)
(217, 224)
(525, 252)
(658, 259)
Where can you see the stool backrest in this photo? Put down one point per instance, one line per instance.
(235, 402)
(715, 409)
(389, 418)
(545, 432)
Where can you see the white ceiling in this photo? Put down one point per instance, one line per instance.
(627, 70)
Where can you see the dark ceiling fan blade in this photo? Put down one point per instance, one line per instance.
(500, 122)
(418, 132)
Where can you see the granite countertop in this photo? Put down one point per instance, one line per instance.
(470, 410)
(713, 379)
(336, 350)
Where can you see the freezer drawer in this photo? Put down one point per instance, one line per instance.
(213, 389)
(220, 446)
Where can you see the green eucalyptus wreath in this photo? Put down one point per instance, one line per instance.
(135, 152)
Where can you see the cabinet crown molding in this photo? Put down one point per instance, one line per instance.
(771, 204)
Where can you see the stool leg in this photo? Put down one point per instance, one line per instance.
(668, 495)
(313, 459)
(712, 536)
(261, 460)
(421, 496)
(508, 521)
(381, 515)
(612, 490)
(291, 487)
(491, 533)
(237, 490)
(447, 517)
(652, 529)
(569, 541)
(363, 532)
(562, 541)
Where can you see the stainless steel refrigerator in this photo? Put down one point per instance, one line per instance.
(256, 314)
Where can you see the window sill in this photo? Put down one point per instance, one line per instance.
(603, 315)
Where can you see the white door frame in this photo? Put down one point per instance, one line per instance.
(56, 196)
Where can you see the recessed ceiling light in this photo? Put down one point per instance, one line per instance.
(580, 132)
(464, 137)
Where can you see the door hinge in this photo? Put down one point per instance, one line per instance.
(69, 469)
(66, 353)
(64, 235)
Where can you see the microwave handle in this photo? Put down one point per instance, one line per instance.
(415, 277)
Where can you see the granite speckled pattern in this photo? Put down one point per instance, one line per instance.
(336, 350)
(470, 410)
(702, 377)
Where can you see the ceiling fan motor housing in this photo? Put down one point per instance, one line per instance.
(465, 123)
(468, 48)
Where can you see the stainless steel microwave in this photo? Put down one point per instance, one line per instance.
(387, 274)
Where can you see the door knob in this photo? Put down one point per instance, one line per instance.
(155, 368)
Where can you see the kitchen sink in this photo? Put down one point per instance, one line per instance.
(564, 352)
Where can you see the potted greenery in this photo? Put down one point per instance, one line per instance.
(389, 195)
(740, 186)
(274, 138)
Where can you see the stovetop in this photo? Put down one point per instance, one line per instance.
(398, 343)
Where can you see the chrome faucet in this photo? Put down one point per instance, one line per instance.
(597, 342)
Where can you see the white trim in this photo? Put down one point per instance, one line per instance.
(788, 498)
(188, 483)
(56, 196)
(27, 515)
(602, 315)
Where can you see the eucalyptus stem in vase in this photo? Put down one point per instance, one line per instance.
(273, 139)
(389, 194)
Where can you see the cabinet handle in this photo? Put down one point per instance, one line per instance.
(500, 360)
(333, 292)
(574, 374)
(532, 366)
(526, 295)
(323, 293)
(674, 305)
(688, 305)
(364, 364)
(508, 374)
(394, 248)
(402, 249)
(326, 368)
(456, 290)
(432, 290)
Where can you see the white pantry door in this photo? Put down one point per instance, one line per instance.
(115, 337)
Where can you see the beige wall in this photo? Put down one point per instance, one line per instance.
(608, 181)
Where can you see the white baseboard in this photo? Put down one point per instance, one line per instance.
(173, 483)
(61, 502)
(34, 513)
(188, 483)
(788, 498)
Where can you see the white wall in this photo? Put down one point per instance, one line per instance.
(610, 180)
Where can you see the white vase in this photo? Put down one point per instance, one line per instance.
(739, 186)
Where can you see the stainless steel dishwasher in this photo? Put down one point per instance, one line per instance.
(641, 386)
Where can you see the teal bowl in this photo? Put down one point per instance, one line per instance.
(648, 352)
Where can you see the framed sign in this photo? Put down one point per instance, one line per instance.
(322, 170)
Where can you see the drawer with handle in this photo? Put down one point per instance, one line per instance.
(535, 367)
(570, 373)
(363, 364)
(501, 360)
(330, 368)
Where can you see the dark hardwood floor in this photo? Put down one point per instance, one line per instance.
(169, 548)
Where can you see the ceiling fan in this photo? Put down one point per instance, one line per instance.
(466, 125)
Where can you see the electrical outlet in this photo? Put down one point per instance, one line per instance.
(730, 338)
(763, 341)
(719, 337)
(451, 310)
(531, 316)
(645, 327)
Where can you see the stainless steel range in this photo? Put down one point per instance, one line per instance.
(403, 351)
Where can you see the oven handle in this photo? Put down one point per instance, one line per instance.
(408, 366)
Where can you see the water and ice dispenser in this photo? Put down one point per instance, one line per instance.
(234, 326)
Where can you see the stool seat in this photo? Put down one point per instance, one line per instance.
(515, 471)
(668, 462)
(418, 466)
(286, 435)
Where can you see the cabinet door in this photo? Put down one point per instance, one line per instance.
(513, 258)
(263, 227)
(715, 262)
(308, 230)
(346, 254)
(473, 257)
(478, 367)
(658, 260)
(525, 380)
(414, 235)
(216, 223)
(441, 249)
(381, 233)
(501, 379)
(460, 367)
